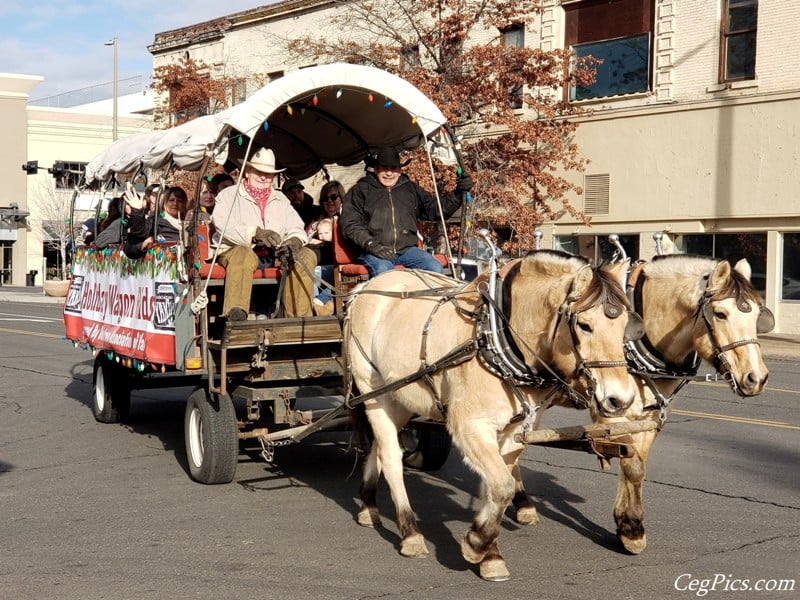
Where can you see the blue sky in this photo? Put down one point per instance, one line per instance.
(63, 40)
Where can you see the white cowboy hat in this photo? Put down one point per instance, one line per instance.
(264, 160)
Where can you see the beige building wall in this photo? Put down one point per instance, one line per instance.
(65, 134)
(14, 94)
(689, 156)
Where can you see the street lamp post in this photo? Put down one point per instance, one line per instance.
(113, 42)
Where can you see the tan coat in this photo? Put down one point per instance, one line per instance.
(245, 218)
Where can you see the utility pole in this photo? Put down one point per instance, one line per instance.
(113, 42)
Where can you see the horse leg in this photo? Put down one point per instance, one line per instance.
(389, 456)
(524, 509)
(479, 545)
(628, 506)
(368, 515)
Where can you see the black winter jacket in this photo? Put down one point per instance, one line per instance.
(371, 213)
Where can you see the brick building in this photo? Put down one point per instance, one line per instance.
(693, 134)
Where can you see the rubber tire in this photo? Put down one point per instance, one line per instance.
(111, 391)
(211, 437)
(425, 449)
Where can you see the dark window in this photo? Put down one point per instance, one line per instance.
(67, 174)
(790, 286)
(731, 247)
(738, 52)
(409, 57)
(514, 37)
(618, 33)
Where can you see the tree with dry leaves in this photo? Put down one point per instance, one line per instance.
(503, 97)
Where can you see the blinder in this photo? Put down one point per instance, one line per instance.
(634, 330)
(764, 324)
(766, 320)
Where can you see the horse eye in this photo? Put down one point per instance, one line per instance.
(720, 315)
(585, 327)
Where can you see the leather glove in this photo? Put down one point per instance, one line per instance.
(267, 238)
(381, 251)
(287, 253)
(464, 183)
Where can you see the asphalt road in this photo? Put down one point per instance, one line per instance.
(108, 511)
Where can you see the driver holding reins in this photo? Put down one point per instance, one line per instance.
(380, 215)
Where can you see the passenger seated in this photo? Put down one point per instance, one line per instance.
(164, 226)
(322, 245)
(380, 215)
(253, 217)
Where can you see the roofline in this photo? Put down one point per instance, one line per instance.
(173, 39)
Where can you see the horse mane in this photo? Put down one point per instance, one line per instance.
(551, 263)
(681, 265)
(604, 286)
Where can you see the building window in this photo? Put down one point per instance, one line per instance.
(620, 34)
(238, 92)
(409, 57)
(731, 247)
(514, 37)
(597, 248)
(790, 284)
(738, 47)
(67, 174)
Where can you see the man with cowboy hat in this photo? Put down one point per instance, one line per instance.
(381, 210)
(254, 219)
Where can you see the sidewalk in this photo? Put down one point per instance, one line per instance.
(14, 293)
(777, 346)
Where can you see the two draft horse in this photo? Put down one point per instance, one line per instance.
(565, 320)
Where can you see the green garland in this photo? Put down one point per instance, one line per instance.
(114, 261)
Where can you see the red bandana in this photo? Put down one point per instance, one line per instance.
(261, 196)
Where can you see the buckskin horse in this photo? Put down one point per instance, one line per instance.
(694, 308)
(418, 344)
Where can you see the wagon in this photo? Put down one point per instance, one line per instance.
(143, 320)
(155, 321)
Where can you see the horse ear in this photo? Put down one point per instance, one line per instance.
(619, 271)
(743, 268)
(721, 274)
(582, 280)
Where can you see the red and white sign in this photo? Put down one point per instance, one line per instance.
(130, 314)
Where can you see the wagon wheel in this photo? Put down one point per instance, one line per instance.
(210, 434)
(425, 449)
(111, 391)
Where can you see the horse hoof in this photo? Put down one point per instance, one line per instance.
(634, 546)
(368, 517)
(527, 515)
(468, 552)
(414, 546)
(494, 569)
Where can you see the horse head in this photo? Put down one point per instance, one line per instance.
(590, 320)
(729, 318)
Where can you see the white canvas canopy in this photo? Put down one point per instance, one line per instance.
(187, 145)
(331, 114)
(123, 156)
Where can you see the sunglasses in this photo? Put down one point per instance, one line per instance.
(332, 197)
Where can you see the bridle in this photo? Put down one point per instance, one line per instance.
(646, 363)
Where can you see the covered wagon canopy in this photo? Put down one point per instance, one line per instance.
(123, 156)
(332, 114)
(325, 115)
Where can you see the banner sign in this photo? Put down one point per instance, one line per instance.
(123, 305)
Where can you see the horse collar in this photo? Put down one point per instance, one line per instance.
(642, 354)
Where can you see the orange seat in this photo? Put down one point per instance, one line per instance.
(206, 255)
